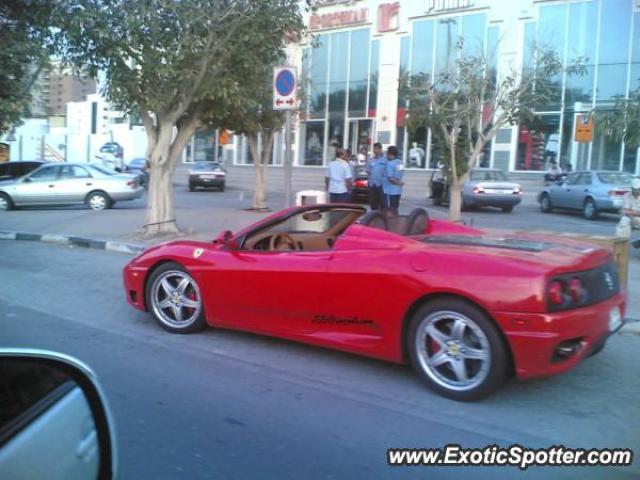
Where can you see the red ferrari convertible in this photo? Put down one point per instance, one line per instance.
(467, 308)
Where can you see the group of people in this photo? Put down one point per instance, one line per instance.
(385, 175)
(631, 211)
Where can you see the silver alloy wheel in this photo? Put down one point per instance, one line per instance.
(546, 203)
(589, 209)
(4, 203)
(175, 299)
(97, 202)
(453, 350)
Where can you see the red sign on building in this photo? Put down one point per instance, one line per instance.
(338, 19)
(388, 14)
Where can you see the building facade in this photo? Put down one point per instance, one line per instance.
(357, 51)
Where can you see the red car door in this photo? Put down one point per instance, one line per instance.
(267, 291)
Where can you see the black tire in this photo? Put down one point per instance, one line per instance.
(98, 201)
(191, 187)
(545, 203)
(590, 211)
(152, 299)
(478, 335)
(437, 201)
(508, 209)
(222, 187)
(5, 202)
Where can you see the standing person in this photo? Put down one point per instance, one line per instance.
(392, 185)
(338, 179)
(363, 156)
(631, 209)
(376, 168)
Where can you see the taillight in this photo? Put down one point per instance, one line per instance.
(616, 193)
(576, 290)
(556, 292)
(517, 191)
(131, 184)
(360, 183)
(477, 190)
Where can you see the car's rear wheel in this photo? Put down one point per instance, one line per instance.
(174, 298)
(192, 187)
(98, 201)
(545, 203)
(590, 210)
(5, 202)
(508, 209)
(457, 350)
(222, 187)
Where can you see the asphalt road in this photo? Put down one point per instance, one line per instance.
(222, 404)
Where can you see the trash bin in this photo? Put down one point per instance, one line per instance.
(310, 197)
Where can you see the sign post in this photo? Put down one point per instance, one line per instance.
(285, 98)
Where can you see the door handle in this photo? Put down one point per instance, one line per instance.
(89, 184)
(51, 186)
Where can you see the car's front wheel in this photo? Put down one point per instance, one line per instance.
(175, 300)
(457, 350)
(590, 211)
(5, 202)
(545, 203)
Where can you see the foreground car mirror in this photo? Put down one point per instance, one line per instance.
(54, 419)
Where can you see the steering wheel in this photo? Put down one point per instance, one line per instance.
(280, 240)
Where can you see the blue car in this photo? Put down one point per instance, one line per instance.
(592, 192)
(138, 166)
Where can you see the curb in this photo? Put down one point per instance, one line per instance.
(112, 246)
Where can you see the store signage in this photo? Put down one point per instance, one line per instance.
(584, 128)
(388, 14)
(328, 3)
(339, 19)
(444, 5)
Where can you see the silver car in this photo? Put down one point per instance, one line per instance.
(490, 188)
(69, 183)
(590, 191)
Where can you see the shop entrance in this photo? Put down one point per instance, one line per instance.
(360, 135)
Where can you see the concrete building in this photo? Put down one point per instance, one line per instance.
(55, 88)
(360, 48)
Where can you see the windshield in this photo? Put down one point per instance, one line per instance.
(488, 176)
(616, 178)
(206, 166)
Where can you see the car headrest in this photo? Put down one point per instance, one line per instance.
(417, 222)
(374, 219)
(396, 223)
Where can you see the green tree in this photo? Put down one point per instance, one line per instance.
(465, 106)
(179, 64)
(622, 121)
(26, 41)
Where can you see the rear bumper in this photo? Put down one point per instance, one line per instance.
(127, 195)
(491, 200)
(534, 338)
(207, 182)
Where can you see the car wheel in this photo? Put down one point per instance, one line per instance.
(590, 211)
(5, 202)
(457, 350)
(545, 203)
(174, 299)
(98, 201)
(191, 187)
(222, 187)
(508, 209)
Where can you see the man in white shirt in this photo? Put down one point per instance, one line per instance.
(338, 179)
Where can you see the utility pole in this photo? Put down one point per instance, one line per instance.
(288, 159)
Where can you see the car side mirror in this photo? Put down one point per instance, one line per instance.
(227, 239)
(27, 180)
(54, 400)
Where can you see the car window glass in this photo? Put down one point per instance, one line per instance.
(23, 385)
(615, 178)
(571, 179)
(49, 172)
(583, 179)
(73, 171)
(206, 166)
(101, 170)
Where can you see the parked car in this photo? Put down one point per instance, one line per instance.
(111, 155)
(286, 276)
(55, 421)
(10, 170)
(592, 192)
(360, 185)
(485, 187)
(69, 183)
(138, 166)
(207, 174)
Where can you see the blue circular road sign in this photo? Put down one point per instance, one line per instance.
(285, 82)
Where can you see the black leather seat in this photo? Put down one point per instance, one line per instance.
(417, 222)
(374, 219)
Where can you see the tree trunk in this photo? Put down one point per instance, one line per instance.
(164, 155)
(455, 199)
(259, 194)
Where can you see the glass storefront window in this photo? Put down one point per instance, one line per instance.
(446, 37)
(630, 159)
(422, 47)
(319, 67)
(338, 72)
(538, 142)
(373, 78)
(313, 133)
(583, 25)
(473, 29)
(416, 156)
(635, 54)
(336, 137)
(605, 154)
(552, 34)
(615, 25)
(358, 71)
